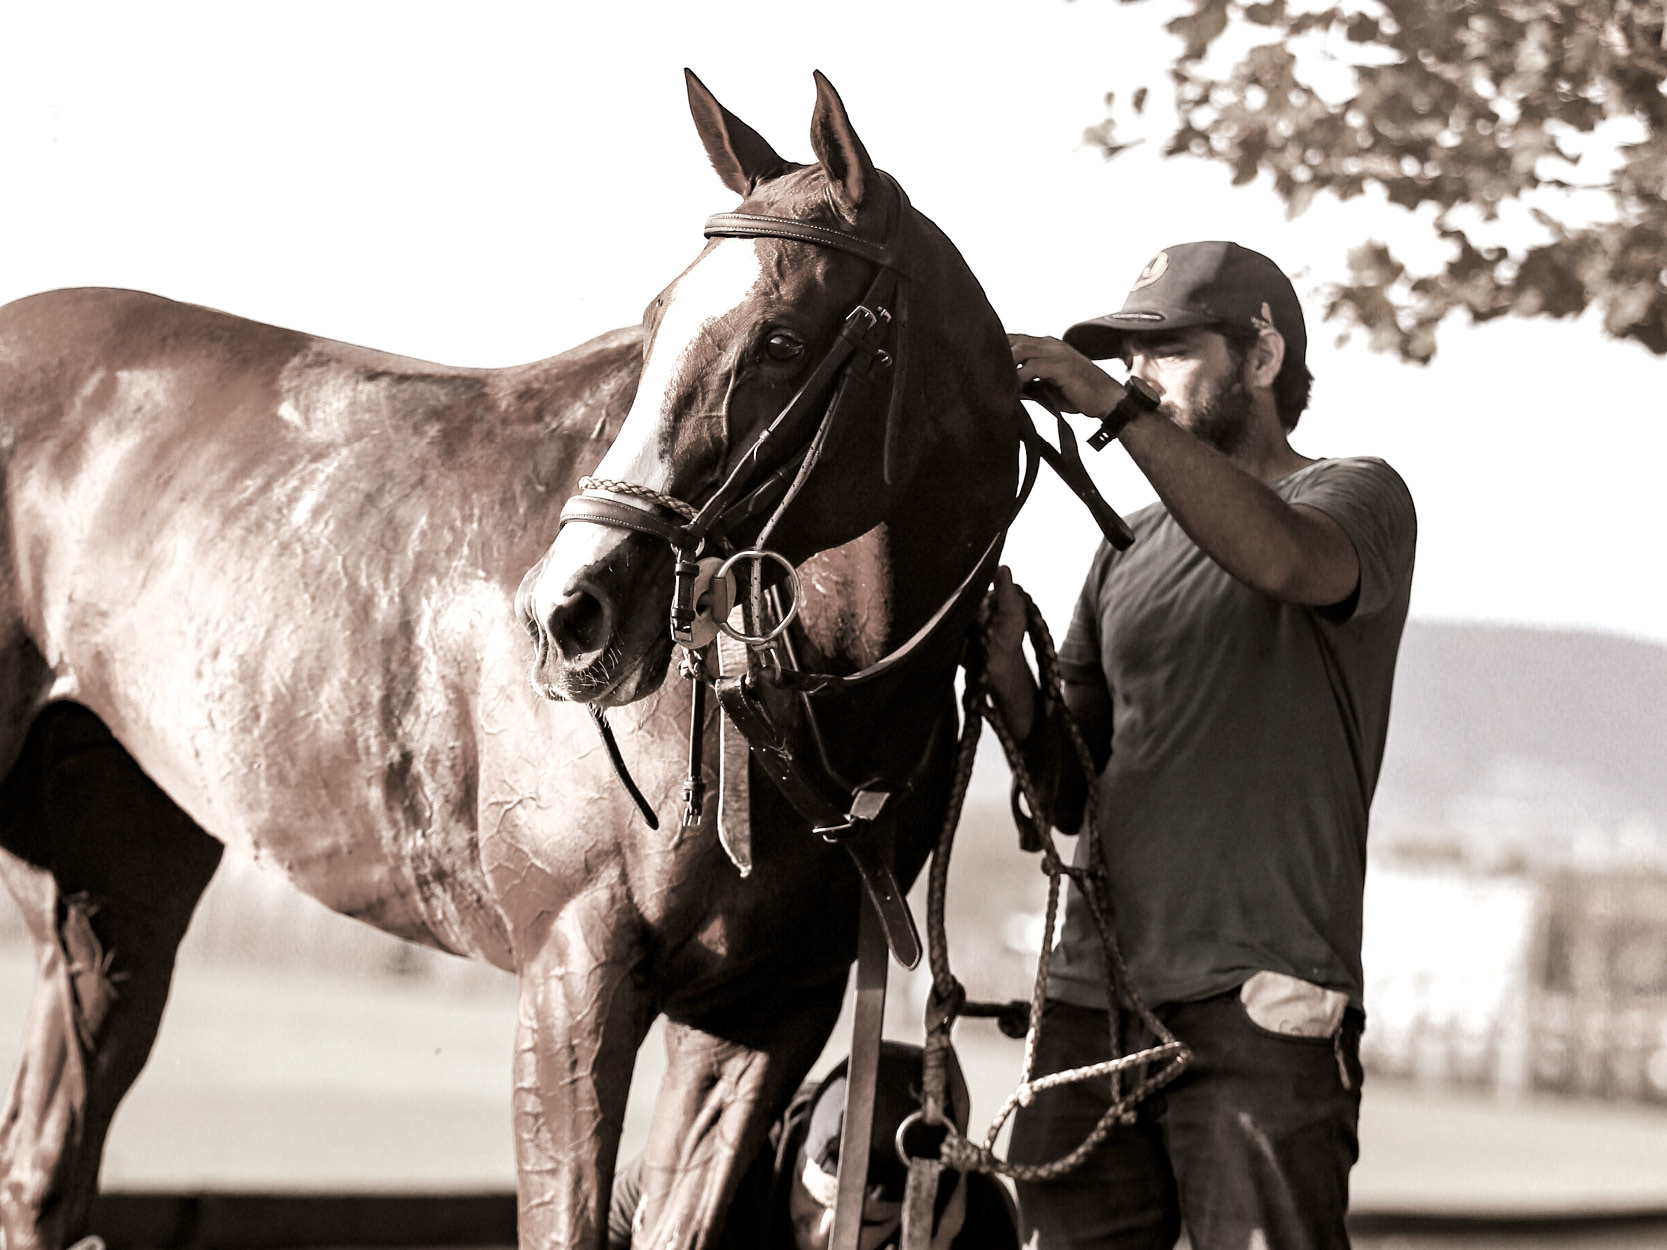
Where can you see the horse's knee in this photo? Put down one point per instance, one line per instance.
(45, 1193)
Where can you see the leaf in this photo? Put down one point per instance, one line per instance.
(1200, 28)
(1362, 28)
(1453, 112)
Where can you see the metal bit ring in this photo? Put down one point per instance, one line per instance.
(759, 640)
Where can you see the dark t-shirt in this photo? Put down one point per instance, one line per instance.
(1247, 736)
(758, 1216)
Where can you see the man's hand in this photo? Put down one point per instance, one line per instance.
(1084, 386)
(1010, 682)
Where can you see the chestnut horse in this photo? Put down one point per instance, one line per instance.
(260, 591)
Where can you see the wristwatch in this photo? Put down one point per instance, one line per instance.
(1138, 397)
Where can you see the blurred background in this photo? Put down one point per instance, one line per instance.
(493, 187)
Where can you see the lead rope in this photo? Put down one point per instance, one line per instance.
(948, 1001)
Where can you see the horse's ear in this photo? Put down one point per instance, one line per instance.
(850, 172)
(741, 157)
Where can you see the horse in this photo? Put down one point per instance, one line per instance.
(273, 592)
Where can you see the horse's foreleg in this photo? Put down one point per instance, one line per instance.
(725, 1081)
(580, 1021)
(106, 871)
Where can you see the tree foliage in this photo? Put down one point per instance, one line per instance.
(1529, 135)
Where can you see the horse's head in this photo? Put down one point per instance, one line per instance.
(825, 346)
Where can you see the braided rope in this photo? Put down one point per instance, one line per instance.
(1163, 1062)
(669, 502)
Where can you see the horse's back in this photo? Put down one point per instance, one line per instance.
(280, 569)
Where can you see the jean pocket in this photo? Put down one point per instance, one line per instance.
(1291, 1007)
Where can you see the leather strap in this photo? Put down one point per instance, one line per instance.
(734, 799)
(599, 718)
(758, 226)
(920, 1196)
(1067, 463)
(860, 323)
(861, 1080)
(974, 582)
(623, 513)
(853, 829)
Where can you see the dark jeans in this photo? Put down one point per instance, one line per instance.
(1248, 1149)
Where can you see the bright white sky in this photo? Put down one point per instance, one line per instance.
(493, 183)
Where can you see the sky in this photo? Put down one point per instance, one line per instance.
(493, 184)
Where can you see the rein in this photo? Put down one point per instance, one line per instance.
(928, 1141)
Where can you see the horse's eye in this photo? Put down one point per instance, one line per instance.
(783, 346)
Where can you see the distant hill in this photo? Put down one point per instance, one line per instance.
(1554, 739)
(1508, 740)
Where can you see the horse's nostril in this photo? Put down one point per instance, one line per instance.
(579, 624)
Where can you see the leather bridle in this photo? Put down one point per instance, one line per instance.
(765, 478)
(763, 482)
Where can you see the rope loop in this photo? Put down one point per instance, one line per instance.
(1132, 1076)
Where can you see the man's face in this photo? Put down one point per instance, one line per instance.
(1202, 382)
(813, 1218)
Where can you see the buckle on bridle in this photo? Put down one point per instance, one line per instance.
(866, 807)
(710, 589)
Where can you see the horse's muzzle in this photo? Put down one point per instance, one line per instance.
(584, 649)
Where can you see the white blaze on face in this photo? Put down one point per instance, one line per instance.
(722, 280)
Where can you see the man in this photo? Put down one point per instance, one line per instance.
(1231, 673)
(786, 1197)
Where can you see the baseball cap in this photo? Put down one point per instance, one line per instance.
(1214, 283)
(897, 1095)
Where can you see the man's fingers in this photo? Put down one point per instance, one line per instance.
(1026, 346)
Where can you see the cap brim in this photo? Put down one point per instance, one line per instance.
(1101, 338)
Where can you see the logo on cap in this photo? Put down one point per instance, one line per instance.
(1154, 270)
(1265, 320)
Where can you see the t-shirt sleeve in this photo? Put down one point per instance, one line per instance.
(1079, 654)
(1371, 503)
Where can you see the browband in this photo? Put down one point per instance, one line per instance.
(754, 226)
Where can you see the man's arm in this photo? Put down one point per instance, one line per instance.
(1015, 694)
(1286, 551)
(1289, 552)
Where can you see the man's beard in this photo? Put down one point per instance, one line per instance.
(1222, 417)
